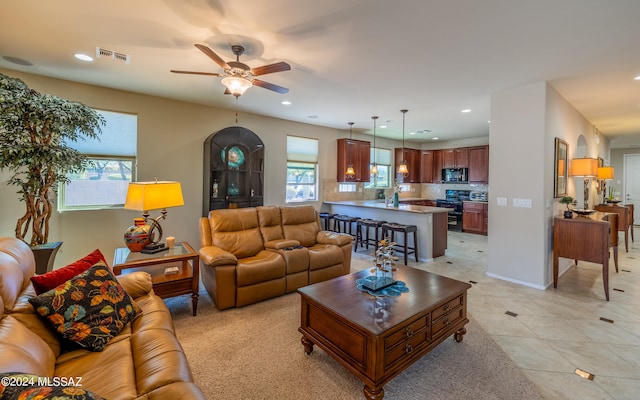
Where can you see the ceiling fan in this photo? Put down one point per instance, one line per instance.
(238, 77)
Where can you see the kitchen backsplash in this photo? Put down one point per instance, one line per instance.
(414, 190)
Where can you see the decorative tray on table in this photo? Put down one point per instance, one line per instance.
(582, 211)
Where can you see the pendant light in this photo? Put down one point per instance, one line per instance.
(402, 168)
(351, 173)
(374, 166)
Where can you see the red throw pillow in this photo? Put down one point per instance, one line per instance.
(45, 282)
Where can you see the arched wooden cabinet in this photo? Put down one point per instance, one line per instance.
(233, 170)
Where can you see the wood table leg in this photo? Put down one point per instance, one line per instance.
(459, 334)
(194, 302)
(308, 345)
(605, 277)
(372, 393)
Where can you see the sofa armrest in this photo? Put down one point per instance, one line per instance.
(137, 284)
(214, 256)
(328, 237)
(280, 244)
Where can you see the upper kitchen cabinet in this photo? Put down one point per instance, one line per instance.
(412, 158)
(430, 166)
(455, 158)
(356, 152)
(479, 164)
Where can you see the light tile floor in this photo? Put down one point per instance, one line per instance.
(557, 330)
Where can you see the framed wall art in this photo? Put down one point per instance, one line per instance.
(560, 170)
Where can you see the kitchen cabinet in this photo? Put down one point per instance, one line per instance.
(356, 152)
(427, 170)
(437, 166)
(479, 164)
(455, 158)
(475, 217)
(412, 158)
(233, 170)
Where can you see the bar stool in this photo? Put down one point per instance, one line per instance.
(344, 224)
(363, 238)
(405, 229)
(327, 220)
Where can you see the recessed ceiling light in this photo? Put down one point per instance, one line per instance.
(637, 78)
(435, 138)
(412, 133)
(286, 103)
(382, 126)
(466, 110)
(83, 57)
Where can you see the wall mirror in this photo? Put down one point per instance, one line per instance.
(560, 173)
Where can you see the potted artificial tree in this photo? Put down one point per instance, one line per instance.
(35, 130)
(568, 200)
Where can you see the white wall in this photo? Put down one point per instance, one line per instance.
(170, 147)
(524, 124)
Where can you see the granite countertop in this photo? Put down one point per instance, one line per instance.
(379, 204)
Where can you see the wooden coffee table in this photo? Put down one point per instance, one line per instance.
(182, 256)
(376, 338)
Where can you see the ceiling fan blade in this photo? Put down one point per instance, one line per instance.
(270, 86)
(195, 73)
(271, 68)
(206, 50)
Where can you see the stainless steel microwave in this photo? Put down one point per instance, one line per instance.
(455, 175)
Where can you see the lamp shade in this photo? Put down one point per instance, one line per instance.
(237, 85)
(145, 196)
(584, 167)
(605, 173)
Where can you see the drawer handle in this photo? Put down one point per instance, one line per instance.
(446, 307)
(407, 348)
(408, 332)
(446, 321)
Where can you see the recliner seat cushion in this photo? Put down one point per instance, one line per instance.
(324, 255)
(265, 266)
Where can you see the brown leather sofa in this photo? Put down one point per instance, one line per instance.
(144, 361)
(253, 254)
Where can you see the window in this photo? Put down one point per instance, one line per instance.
(113, 161)
(302, 169)
(382, 158)
(346, 187)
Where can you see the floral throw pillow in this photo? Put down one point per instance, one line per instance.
(19, 386)
(89, 309)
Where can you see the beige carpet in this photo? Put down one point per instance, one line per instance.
(255, 353)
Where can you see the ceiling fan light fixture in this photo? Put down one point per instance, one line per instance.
(237, 85)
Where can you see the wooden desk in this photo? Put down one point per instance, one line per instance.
(587, 239)
(624, 219)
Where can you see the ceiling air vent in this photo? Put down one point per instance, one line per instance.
(100, 52)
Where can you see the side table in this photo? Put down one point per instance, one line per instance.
(182, 256)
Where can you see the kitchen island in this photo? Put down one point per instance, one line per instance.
(431, 221)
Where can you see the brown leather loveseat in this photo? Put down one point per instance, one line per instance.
(253, 254)
(144, 361)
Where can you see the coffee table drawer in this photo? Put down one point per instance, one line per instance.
(447, 320)
(445, 308)
(405, 333)
(406, 347)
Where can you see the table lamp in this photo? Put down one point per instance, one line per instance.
(146, 196)
(605, 174)
(586, 167)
